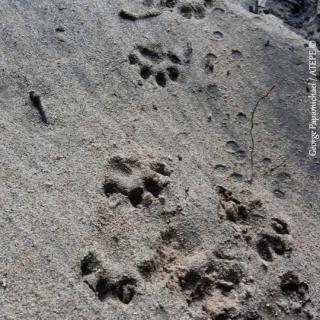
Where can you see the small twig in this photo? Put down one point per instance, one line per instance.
(251, 132)
(36, 101)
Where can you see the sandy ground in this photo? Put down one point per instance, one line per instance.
(141, 198)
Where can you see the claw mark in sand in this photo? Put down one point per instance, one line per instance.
(251, 133)
(36, 101)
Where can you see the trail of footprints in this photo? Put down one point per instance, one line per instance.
(291, 299)
(138, 184)
(280, 181)
(217, 283)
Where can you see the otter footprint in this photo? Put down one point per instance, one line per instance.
(154, 62)
(195, 9)
(141, 183)
(107, 284)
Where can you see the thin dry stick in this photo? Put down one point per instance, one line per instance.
(251, 132)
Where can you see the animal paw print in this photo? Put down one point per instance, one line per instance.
(234, 209)
(198, 282)
(292, 286)
(140, 183)
(276, 242)
(291, 300)
(154, 62)
(161, 263)
(280, 226)
(269, 244)
(281, 183)
(106, 284)
(233, 148)
(195, 9)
